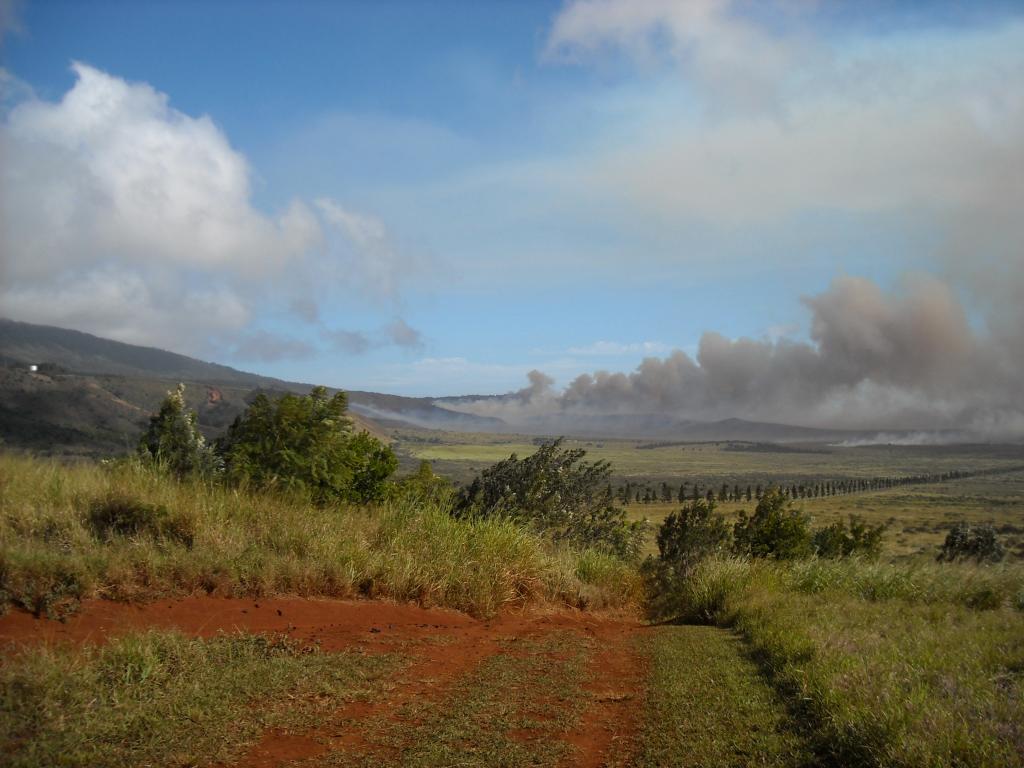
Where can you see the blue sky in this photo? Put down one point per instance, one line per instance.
(437, 197)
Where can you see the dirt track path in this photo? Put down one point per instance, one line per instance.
(446, 650)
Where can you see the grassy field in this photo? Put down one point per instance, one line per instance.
(126, 534)
(735, 720)
(901, 663)
(886, 665)
(461, 455)
(159, 698)
(917, 516)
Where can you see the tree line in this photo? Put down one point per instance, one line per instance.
(636, 493)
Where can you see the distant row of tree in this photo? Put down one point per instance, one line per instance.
(635, 493)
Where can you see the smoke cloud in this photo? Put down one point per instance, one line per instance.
(909, 360)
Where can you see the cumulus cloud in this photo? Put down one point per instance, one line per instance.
(876, 360)
(113, 172)
(125, 217)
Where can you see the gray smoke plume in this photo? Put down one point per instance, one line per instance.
(908, 361)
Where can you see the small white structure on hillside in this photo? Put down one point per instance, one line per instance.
(33, 368)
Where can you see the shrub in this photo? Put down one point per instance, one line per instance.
(424, 486)
(121, 515)
(966, 542)
(174, 442)
(836, 540)
(774, 530)
(691, 534)
(304, 443)
(556, 492)
(703, 595)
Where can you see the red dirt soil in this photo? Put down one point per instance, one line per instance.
(444, 645)
(618, 682)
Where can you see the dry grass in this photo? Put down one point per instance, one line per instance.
(236, 543)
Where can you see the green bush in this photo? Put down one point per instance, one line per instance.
(306, 444)
(173, 441)
(692, 533)
(423, 486)
(704, 593)
(557, 493)
(966, 542)
(775, 529)
(836, 540)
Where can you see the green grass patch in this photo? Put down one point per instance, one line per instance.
(889, 666)
(707, 706)
(159, 698)
(507, 713)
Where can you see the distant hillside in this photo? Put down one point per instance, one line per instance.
(84, 353)
(93, 395)
(661, 427)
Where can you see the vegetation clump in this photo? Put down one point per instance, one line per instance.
(775, 530)
(173, 442)
(972, 542)
(305, 444)
(691, 534)
(558, 493)
(686, 537)
(122, 515)
(837, 540)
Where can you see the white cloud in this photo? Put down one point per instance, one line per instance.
(130, 308)
(368, 257)
(125, 217)
(112, 171)
(889, 155)
(736, 64)
(615, 348)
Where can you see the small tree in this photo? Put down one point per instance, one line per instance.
(425, 485)
(836, 540)
(774, 530)
(692, 533)
(556, 492)
(967, 542)
(173, 441)
(306, 443)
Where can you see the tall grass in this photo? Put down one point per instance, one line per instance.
(889, 665)
(125, 533)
